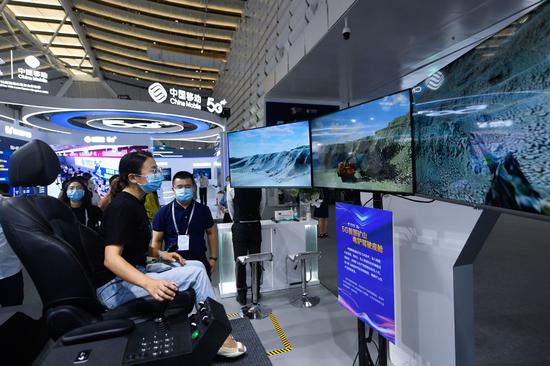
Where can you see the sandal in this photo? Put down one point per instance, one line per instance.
(232, 352)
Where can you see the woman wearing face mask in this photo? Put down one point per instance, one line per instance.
(181, 225)
(127, 234)
(76, 195)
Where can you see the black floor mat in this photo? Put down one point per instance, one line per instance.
(255, 355)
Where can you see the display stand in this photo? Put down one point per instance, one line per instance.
(463, 287)
(365, 358)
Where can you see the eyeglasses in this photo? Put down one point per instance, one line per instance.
(157, 171)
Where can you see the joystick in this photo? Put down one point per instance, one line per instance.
(160, 320)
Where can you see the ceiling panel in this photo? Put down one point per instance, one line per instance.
(388, 44)
(37, 26)
(33, 12)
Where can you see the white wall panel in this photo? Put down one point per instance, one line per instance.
(261, 54)
(296, 51)
(336, 8)
(317, 27)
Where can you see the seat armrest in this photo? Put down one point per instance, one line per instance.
(96, 331)
(145, 308)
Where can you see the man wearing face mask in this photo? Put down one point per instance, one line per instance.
(182, 223)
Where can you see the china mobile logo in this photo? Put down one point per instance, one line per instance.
(32, 61)
(435, 81)
(157, 92)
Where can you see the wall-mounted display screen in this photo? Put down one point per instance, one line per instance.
(100, 168)
(167, 174)
(99, 161)
(276, 156)
(7, 147)
(366, 147)
(207, 172)
(481, 123)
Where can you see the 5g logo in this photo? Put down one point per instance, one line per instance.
(215, 107)
(157, 92)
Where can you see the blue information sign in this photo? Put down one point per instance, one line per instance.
(365, 266)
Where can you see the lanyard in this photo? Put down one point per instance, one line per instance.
(188, 222)
(85, 217)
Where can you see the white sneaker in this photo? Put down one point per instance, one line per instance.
(232, 352)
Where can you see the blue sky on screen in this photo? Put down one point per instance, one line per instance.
(360, 121)
(268, 140)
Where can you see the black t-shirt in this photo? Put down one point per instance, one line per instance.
(125, 223)
(94, 216)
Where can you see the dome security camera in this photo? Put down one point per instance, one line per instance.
(346, 31)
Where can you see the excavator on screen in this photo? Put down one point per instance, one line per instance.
(346, 170)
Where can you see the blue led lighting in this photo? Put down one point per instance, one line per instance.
(62, 119)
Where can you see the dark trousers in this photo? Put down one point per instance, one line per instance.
(202, 194)
(11, 290)
(247, 239)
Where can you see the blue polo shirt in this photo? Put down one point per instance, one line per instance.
(201, 220)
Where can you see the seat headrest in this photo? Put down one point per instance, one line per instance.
(34, 164)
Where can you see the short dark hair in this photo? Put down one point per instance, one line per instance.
(113, 177)
(86, 175)
(86, 201)
(183, 175)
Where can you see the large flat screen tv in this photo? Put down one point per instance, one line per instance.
(482, 123)
(276, 156)
(366, 147)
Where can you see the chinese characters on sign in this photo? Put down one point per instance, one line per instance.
(184, 98)
(32, 75)
(100, 139)
(24, 78)
(365, 266)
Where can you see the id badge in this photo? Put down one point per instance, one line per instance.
(183, 242)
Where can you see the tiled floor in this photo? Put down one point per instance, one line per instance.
(322, 335)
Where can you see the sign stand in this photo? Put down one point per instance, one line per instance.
(365, 358)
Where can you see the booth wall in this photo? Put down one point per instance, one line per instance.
(511, 294)
(179, 164)
(272, 38)
(428, 239)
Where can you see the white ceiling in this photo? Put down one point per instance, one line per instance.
(390, 40)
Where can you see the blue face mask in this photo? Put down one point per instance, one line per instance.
(184, 194)
(154, 181)
(75, 195)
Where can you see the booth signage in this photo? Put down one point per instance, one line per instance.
(365, 266)
(183, 98)
(215, 107)
(116, 123)
(24, 78)
(9, 130)
(100, 139)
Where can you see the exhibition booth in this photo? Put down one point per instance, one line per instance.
(435, 190)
